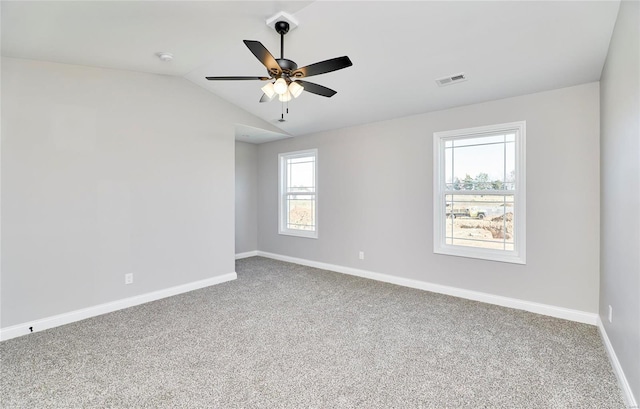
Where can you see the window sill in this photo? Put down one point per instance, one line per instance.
(483, 254)
(300, 233)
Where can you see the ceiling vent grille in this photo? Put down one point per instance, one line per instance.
(451, 79)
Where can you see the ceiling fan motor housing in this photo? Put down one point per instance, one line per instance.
(287, 66)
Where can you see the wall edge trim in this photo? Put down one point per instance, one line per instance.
(538, 308)
(246, 254)
(100, 309)
(627, 393)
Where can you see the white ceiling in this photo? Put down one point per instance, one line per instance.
(398, 49)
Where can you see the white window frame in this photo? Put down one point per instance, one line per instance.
(282, 194)
(518, 255)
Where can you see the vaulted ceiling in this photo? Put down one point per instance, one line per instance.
(398, 49)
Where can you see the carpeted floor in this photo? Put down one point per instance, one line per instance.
(288, 336)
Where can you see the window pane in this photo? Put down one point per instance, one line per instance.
(448, 170)
(484, 163)
(510, 166)
(301, 212)
(478, 167)
(485, 221)
(301, 175)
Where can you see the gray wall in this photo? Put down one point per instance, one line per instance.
(246, 197)
(375, 195)
(106, 172)
(620, 203)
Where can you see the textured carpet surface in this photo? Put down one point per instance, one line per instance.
(288, 336)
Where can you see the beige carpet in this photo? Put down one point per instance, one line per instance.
(288, 336)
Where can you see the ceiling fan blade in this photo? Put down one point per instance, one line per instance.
(317, 89)
(265, 98)
(264, 56)
(236, 78)
(323, 67)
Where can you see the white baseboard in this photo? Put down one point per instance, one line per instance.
(630, 400)
(544, 309)
(246, 254)
(77, 315)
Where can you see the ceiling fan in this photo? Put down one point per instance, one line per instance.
(284, 74)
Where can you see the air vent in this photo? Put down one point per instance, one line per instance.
(451, 79)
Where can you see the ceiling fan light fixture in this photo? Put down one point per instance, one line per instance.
(269, 90)
(295, 89)
(286, 97)
(280, 86)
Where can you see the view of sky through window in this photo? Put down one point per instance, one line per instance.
(483, 163)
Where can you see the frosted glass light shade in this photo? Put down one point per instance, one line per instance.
(280, 86)
(286, 97)
(268, 90)
(295, 89)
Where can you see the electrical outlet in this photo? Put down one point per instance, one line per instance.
(610, 313)
(128, 278)
(361, 255)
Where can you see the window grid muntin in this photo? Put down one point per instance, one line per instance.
(450, 233)
(511, 132)
(287, 162)
(452, 147)
(290, 164)
(294, 197)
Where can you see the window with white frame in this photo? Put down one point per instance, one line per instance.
(479, 192)
(298, 201)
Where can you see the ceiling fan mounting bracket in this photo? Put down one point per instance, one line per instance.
(284, 17)
(282, 27)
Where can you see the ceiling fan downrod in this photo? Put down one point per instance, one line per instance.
(287, 66)
(282, 28)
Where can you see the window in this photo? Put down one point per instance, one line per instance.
(298, 196)
(479, 192)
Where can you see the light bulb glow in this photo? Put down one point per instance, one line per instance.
(268, 90)
(295, 89)
(286, 97)
(280, 86)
